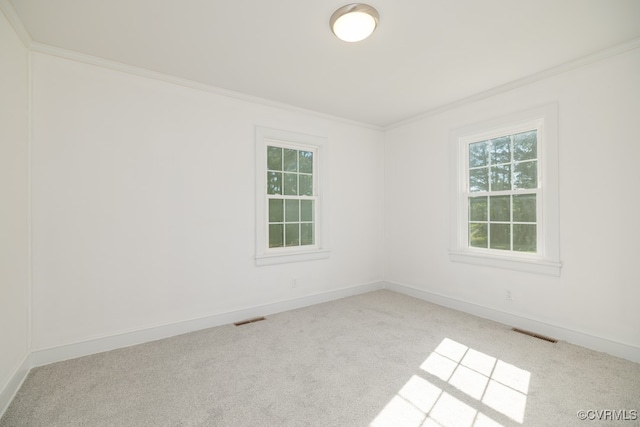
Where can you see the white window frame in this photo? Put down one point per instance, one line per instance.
(320, 250)
(547, 259)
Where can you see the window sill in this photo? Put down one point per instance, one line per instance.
(538, 266)
(283, 258)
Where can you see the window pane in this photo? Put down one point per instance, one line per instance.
(292, 235)
(292, 210)
(479, 179)
(306, 185)
(306, 237)
(525, 146)
(306, 161)
(501, 178)
(276, 213)
(500, 214)
(290, 160)
(477, 209)
(478, 154)
(525, 175)
(500, 236)
(291, 184)
(524, 237)
(274, 183)
(276, 235)
(274, 158)
(306, 210)
(501, 150)
(524, 208)
(478, 235)
(500, 208)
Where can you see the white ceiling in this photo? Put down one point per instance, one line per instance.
(425, 54)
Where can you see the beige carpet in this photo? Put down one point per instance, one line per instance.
(378, 359)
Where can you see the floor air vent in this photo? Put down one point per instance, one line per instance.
(246, 322)
(533, 334)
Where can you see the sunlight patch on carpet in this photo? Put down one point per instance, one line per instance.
(496, 387)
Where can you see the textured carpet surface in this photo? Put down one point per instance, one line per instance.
(377, 359)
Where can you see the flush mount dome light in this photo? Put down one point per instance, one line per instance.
(354, 22)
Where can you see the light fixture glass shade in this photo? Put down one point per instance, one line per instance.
(354, 22)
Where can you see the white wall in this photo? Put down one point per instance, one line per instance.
(144, 204)
(14, 210)
(599, 288)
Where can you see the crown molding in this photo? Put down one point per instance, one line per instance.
(143, 72)
(515, 84)
(14, 19)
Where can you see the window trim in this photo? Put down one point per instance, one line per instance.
(320, 250)
(547, 260)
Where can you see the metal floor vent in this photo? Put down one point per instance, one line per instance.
(246, 322)
(533, 334)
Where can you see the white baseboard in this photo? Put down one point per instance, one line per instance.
(56, 354)
(8, 392)
(614, 348)
(46, 356)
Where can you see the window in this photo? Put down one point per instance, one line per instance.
(290, 197)
(291, 194)
(502, 192)
(505, 196)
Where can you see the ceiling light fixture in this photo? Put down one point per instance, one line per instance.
(354, 22)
